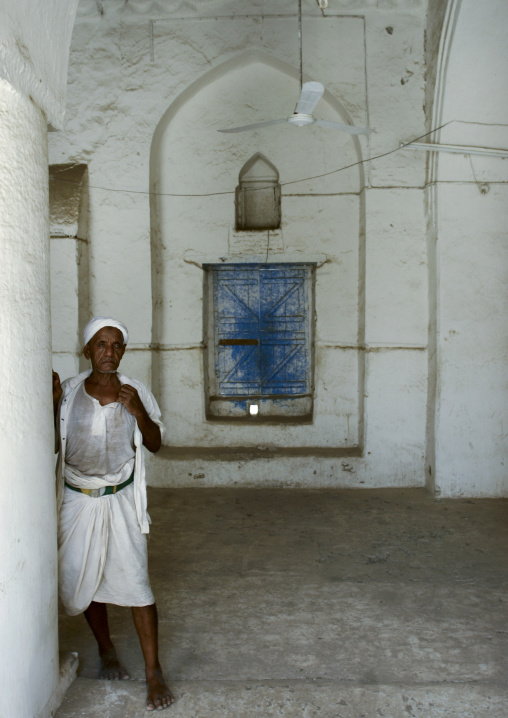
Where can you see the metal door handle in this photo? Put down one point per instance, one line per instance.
(238, 342)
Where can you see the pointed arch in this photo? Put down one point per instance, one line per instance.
(194, 171)
(257, 196)
(233, 64)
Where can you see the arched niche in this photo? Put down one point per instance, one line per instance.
(257, 196)
(194, 171)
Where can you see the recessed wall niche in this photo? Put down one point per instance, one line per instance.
(257, 196)
(322, 225)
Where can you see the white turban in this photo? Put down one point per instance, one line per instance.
(97, 323)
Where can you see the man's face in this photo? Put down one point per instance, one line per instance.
(105, 350)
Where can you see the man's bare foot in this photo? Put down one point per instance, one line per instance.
(158, 694)
(111, 669)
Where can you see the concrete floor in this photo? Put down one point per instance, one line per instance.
(337, 604)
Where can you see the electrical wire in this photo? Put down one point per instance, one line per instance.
(283, 184)
(367, 159)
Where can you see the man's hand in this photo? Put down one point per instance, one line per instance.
(57, 388)
(129, 397)
(57, 392)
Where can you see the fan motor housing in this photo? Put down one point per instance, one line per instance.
(299, 119)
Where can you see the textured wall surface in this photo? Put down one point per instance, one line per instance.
(470, 270)
(149, 86)
(201, 229)
(34, 50)
(68, 205)
(28, 572)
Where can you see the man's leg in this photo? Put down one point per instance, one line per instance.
(97, 616)
(158, 694)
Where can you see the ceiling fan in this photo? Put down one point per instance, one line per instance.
(310, 94)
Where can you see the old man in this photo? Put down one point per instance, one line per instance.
(103, 420)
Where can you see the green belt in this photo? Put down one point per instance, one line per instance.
(105, 491)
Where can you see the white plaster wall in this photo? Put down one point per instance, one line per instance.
(472, 458)
(29, 666)
(395, 404)
(471, 268)
(69, 265)
(65, 314)
(396, 82)
(203, 228)
(34, 50)
(370, 58)
(396, 269)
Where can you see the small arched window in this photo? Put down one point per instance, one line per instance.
(258, 195)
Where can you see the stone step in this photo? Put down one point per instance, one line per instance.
(89, 698)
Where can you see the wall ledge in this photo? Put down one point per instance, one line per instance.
(249, 453)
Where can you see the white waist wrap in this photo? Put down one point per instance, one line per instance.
(102, 553)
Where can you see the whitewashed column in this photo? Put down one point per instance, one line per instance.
(29, 666)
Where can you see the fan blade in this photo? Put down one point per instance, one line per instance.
(310, 95)
(255, 126)
(345, 128)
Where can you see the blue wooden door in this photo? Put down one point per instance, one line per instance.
(262, 335)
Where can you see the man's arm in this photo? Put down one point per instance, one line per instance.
(129, 397)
